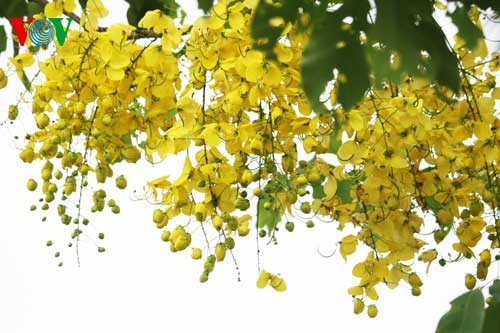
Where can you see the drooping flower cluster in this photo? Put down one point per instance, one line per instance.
(410, 157)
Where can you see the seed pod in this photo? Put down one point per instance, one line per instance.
(416, 291)
(220, 252)
(278, 283)
(305, 207)
(359, 306)
(165, 236)
(414, 280)
(182, 242)
(263, 279)
(121, 182)
(470, 281)
(196, 253)
(158, 216)
(372, 310)
(31, 184)
(13, 112)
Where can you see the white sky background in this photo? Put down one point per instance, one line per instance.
(138, 285)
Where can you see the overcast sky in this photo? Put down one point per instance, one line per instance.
(137, 285)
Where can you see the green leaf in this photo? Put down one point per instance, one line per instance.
(205, 5)
(335, 144)
(137, 9)
(335, 137)
(265, 35)
(467, 30)
(126, 139)
(3, 39)
(267, 217)
(83, 3)
(493, 187)
(344, 185)
(465, 316)
(34, 8)
(332, 47)
(13, 8)
(432, 204)
(344, 190)
(318, 192)
(24, 79)
(492, 319)
(171, 113)
(495, 291)
(408, 28)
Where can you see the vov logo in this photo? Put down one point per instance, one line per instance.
(41, 32)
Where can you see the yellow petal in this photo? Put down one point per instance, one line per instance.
(398, 162)
(495, 94)
(356, 120)
(371, 293)
(53, 9)
(263, 279)
(272, 77)
(310, 143)
(330, 187)
(460, 133)
(348, 245)
(359, 270)
(355, 291)
(278, 283)
(115, 74)
(211, 135)
(482, 130)
(236, 20)
(347, 151)
(69, 5)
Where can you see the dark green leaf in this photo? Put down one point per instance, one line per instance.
(335, 137)
(26, 82)
(263, 33)
(432, 205)
(345, 185)
(492, 319)
(171, 113)
(465, 316)
(13, 8)
(493, 187)
(357, 10)
(126, 139)
(408, 29)
(467, 30)
(205, 5)
(34, 49)
(267, 217)
(344, 190)
(318, 192)
(137, 8)
(24, 79)
(332, 47)
(3, 39)
(335, 144)
(83, 3)
(495, 291)
(357, 175)
(34, 8)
